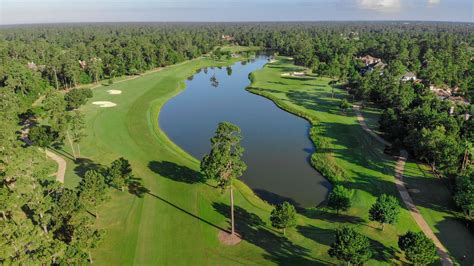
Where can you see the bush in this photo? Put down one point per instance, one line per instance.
(77, 97)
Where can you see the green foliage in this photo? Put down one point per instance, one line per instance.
(77, 97)
(92, 189)
(464, 193)
(42, 136)
(283, 216)
(350, 246)
(339, 199)
(385, 210)
(55, 114)
(418, 249)
(119, 173)
(344, 105)
(224, 162)
(435, 146)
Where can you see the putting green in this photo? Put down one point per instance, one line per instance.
(178, 221)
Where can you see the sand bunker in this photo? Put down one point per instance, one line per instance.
(294, 74)
(104, 104)
(273, 61)
(114, 92)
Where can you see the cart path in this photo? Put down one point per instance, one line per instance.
(61, 165)
(415, 213)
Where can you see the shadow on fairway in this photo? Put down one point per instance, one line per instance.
(319, 235)
(185, 211)
(175, 172)
(331, 216)
(277, 247)
(136, 188)
(83, 165)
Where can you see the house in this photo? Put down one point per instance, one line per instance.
(227, 38)
(409, 76)
(369, 60)
(449, 95)
(379, 65)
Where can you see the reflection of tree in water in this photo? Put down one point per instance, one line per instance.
(190, 78)
(205, 70)
(229, 71)
(214, 81)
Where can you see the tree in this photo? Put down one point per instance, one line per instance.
(77, 97)
(350, 247)
(283, 216)
(385, 210)
(224, 162)
(119, 173)
(464, 194)
(76, 125)
(339, 199)
(344, 105)
(55, 114)
(92, 190)
(418, 249)
(42, 136)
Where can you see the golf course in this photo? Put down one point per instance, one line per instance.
(169, 215)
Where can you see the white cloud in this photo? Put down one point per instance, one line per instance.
(381, 5)
(434, 2)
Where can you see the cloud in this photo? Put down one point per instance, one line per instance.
(380, 5)
(433, 2)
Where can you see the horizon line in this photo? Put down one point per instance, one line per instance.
(230, 21)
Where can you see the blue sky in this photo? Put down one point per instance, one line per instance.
(49, 11)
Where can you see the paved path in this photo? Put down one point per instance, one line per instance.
(415, 213)
(61, 165)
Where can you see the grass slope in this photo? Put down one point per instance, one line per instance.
(178, 220)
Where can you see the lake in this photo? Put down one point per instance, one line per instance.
(277, 144)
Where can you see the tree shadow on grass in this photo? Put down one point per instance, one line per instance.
(383, 253)
(332, 216)
(318, 235)
(175, 172)
(278, 248)
(135, 187)
(185, 211)
(83, 165)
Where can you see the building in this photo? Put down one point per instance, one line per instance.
(227, 38)
(409, 76)
(369, 60)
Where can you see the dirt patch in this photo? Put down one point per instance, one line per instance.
(104, 104)
(228, 239)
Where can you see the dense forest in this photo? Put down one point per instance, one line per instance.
(45, 223)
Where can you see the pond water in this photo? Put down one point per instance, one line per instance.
(277, 144)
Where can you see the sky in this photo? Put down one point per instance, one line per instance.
(54, 11)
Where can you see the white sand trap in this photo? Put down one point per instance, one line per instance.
(285, 74)
(104, 104)
(273, 61)
(114, 92)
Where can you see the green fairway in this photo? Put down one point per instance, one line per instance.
(178, 220)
